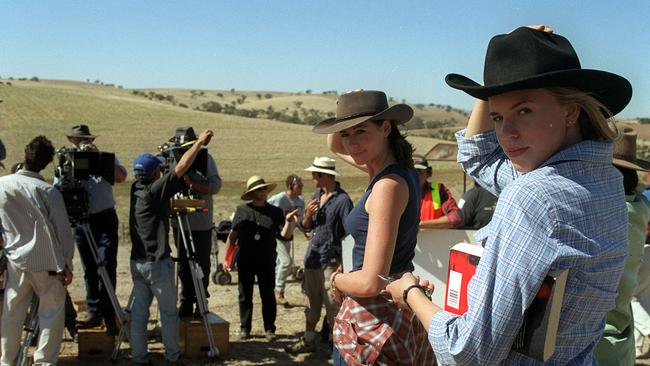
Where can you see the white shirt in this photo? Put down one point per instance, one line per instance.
(35, 224)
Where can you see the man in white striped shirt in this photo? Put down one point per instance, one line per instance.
(39, 247)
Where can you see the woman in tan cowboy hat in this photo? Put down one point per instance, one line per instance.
(617, 345)
(255, 227)
(384, 225)
(539, 139)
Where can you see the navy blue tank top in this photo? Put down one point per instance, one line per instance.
(357, 222)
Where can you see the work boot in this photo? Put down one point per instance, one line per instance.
(270, 335)
(244, 334)
(302, 346)
(89, 321)
(185, 310)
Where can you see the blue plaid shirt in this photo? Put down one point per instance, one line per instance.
(568, 213)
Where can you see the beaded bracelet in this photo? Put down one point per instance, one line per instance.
(405, 294)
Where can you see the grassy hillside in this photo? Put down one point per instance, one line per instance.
(129, 124)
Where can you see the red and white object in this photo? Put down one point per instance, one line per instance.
(463, 260)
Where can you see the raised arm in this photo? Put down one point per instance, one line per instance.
(479, 119)
(188, 158)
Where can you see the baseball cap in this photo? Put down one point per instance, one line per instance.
(145, 165)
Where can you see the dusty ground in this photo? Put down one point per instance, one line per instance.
(223, 301)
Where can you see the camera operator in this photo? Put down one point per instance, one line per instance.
(103, 223)
(38, 245)
(200, 223)
(151, 265)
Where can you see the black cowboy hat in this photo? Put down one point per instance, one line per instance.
(81, 131)
(363, 105)
(528, 59)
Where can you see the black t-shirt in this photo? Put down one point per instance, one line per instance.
(478, 207)
(149, 217)
(258, 228)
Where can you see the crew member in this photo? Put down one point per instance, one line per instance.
(151, 265)
(38, 245)
(206, 184)
(103, 223)
(438, 208)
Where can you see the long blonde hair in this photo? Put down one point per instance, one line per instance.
(596, 121)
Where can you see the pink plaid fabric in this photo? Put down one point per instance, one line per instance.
(374, 331)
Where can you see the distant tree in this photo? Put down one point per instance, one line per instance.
(419, 106)
(9, 82)
(391, 99)
(644, 121)
(220, 95)
(242, 99)
(182, 105)
(169, 98)
(232, 90)
(297, 103)
(415, 123)
(259, 96)
(308, 91)
(120, 87)
(212, 107)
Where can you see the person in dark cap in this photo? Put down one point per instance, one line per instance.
(151, 265)
(540, 138)
(204, 184)
(103, 223)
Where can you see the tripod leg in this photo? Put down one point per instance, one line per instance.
(31, 327)
(197, 279)
(108, 285)
(124, 325)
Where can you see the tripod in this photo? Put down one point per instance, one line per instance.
(196, 271)
(108, 285)
(31, 328)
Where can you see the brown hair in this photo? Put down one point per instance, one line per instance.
(38, 153)
(402, 149)
(596, 122)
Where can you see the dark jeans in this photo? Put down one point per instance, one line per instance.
(264, 270)
(103, 227)
(203, 247)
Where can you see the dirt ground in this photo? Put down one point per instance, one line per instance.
(223, 301)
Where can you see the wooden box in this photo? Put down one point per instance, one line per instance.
(94, 343)
(193, 340)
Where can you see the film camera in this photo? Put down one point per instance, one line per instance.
(75, 165)
(177, 145)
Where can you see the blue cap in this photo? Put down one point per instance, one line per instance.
(145, 165)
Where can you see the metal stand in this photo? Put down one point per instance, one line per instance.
(123, 326)
(197, 274)
(108, 285)
(31, 327)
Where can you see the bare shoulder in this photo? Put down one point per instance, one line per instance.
(391, 187)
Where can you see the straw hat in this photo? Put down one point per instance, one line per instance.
(254, 183)
(625, 152)
(324, 165)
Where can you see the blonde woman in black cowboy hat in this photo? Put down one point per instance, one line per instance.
(255, 228)
(384, 225)
(617, 345)
(539, 138)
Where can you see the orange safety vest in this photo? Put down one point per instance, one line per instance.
(431, 206)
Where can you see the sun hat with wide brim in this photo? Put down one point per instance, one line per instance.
(625, 152)
(529, 59)
(81, 131)
(359, 106)
(254, 183)
(323, 164)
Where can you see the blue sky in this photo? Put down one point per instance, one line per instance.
(404, 48)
